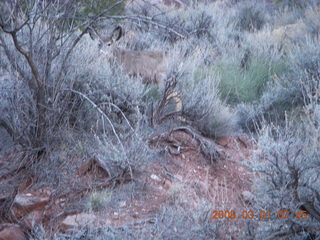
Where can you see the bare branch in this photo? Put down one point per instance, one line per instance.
(147, 20)
(29, 59)
(12, 61)
(7, 128)
(75, 42)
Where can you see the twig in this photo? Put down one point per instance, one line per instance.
(204, 145)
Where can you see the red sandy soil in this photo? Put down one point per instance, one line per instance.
(184, 179)
(187, 179)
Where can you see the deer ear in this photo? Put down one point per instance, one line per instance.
(92, 33)
(117, 33)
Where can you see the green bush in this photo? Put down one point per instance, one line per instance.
(98, 200)
(96, 7)
(245, 85)
(203, 106)
(89, 8)
(298, 85)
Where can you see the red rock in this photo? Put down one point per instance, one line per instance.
(11, 232)
(77, 221)
(95, 167)
(25, 203)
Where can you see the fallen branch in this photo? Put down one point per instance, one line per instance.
(207, 149)
(166, 141)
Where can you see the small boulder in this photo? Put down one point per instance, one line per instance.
(25, 203)
(77, 221)
(11, 232)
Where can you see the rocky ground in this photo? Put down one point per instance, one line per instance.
(185, 178)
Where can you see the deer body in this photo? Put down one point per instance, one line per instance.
(149, 65)
(286, 35)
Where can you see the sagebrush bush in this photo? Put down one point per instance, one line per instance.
(249, 18)
(312, 20)
(250, 117)
(293, 4)
(98, 200)
(287, 160)
(185, 21)
(298, 83)
(296, 77)
(24, 102)
(172, 21)
(108, 86)
(245, 81)
(88, 108)
(200, 25)
(288, 90)
(203, 106)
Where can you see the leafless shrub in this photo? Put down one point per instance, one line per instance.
(37, 42)
(37, 51)
(289, 178)
(288, 166)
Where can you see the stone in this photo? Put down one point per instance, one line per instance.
(77, 221)
(155, 177)
(25, 203)
(11, 232)
(94, 167)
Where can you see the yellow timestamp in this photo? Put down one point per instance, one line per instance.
(256, 215)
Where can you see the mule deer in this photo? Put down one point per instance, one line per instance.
(149, 65)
